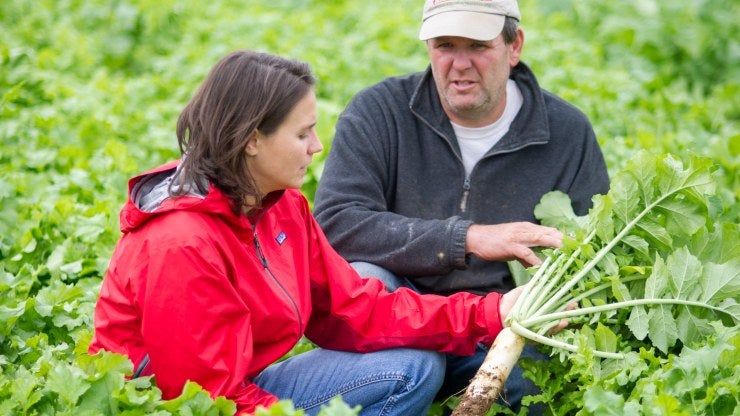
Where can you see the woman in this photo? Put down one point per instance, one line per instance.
(222, 268)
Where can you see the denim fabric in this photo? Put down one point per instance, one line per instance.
(460, 370)
(399, 381)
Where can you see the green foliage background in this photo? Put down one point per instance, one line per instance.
(90, 91)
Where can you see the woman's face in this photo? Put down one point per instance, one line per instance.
(280, 160)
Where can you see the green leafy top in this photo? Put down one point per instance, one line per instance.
(648, 257)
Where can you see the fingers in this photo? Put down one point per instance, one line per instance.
(526, 256)
(511, 241)
(508, 300)
(533, 235)
(563, 322)
(559, 327)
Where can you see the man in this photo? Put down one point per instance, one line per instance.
(432, 177)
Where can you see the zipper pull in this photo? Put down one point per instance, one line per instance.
(258, 249)
(466, 192)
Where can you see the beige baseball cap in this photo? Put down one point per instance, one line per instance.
(473, 19)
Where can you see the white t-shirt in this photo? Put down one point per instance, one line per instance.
(476, 141)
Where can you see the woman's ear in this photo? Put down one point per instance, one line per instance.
(251, 147)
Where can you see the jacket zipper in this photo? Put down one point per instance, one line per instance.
(466, 192)
(263, 261)
(466, 185)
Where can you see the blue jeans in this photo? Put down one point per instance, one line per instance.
(391, 382)
(460, 370)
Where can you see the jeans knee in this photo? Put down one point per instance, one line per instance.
(391, 281)
(425, 371)
(429, 368)
(407, 385)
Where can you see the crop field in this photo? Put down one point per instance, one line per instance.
(90, 91)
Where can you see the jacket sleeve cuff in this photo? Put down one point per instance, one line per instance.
(494, 319)
(460, 259)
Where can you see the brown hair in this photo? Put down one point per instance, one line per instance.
(245, 92)
(509, 31)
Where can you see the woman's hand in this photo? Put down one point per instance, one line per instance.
(508, 300)
(506, 304)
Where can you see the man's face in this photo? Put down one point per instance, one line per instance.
(471, 76)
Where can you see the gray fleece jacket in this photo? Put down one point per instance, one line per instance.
(394, 190)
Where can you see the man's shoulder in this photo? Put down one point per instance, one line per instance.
(411, 79)
(393, 87)
(559, 107)
(554, 104)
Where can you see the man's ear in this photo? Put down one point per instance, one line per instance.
(251, 147)
(516, 48)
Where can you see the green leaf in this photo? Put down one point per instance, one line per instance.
(281, 408)
(623, 193)
(100, 395)
(106, 374)
(657, 283)
(601, 218)
(196, 401)
(669, 405)
(608, 264)
(619, 290)
(68, 382)
(71, 268)
(600, 402)
(674, 176)
(720, 246)
(655, 233)
(731, 307)
(682, 217)
(555, 210)
(56, 258)
(641, 168)
(684, 271)
(23, 390)
(138, 393)
(638, 244)
(662, 327)
(9, 315)
(638, 322)
(605, 339)
(519, 273)
(56, 296)
(337, 407)
(691, 325)
(720, 281)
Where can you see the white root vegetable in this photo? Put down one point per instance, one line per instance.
(489, 380)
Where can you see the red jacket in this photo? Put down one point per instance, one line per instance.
(216, 297)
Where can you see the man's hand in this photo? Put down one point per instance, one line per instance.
(511, 241)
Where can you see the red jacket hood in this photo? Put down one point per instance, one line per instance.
(215, 202)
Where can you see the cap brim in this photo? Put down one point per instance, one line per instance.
(471, 25)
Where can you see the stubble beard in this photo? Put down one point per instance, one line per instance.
(469, 109)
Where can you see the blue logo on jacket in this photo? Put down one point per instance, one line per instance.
(281, 238)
